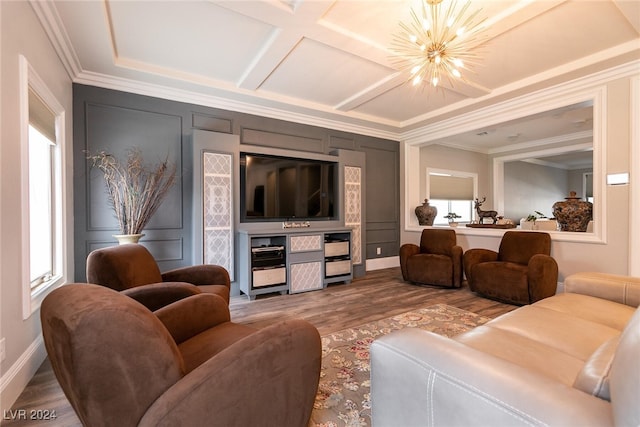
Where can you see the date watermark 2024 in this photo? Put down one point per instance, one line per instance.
(29, 414)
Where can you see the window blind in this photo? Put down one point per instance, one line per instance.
(41, 117)
(450, 188)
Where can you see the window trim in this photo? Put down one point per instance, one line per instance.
(32, 297)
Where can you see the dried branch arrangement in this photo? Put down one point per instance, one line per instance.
(135, 190)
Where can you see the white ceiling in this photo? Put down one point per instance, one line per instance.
(328, 62)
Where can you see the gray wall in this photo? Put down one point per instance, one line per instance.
(529, 187)
(381, 211)
(113, 121)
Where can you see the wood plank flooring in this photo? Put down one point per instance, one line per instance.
(380, 294)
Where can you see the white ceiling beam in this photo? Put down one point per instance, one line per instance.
(275, 49)
(306, 21)
(631, 11)
(496, 25)
(291, 25)
(390, 82)
(518, 14)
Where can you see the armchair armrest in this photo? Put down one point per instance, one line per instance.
(420, 378)
(205, 274)
(476, 256)
(456, 256)
(542, 274)
(273, 382)
(613, 287)
(157, 295)
(190, 316)
(406, 251)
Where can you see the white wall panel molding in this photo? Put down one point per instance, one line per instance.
(634, 214)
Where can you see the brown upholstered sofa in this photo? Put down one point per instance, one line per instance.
(119, 364)
(572, 359)
(131, 269)
(521, 272)
(437, 261)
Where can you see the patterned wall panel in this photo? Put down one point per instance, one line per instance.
(353, 209)
(218, 210)
(306, 243)
(306, 276)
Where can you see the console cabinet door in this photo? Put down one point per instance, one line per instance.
(353, 209)
(305, 276)
(215, 181)
(217, 203)
(305, 262)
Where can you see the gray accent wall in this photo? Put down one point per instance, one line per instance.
(382, 199)
(115, 121)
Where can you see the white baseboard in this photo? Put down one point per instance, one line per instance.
(14, 381)
(381, 263)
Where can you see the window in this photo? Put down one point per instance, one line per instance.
(464, 208)
(41, 192)
(42, 182)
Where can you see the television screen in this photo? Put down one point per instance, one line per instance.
(275, 188)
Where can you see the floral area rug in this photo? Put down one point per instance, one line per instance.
(344, 390)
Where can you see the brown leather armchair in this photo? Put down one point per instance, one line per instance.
(437, 261)
(521, 272)
(132, 270)
(120, 364)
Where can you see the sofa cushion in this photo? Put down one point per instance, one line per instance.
(613, 287)
(202, 347)
(523, 351)
(439, 272)
(597, 310)
(122, 267)
(577, 337)
(594, 376)
(438, 242)
(530, 337)
(519, 247)
(505, 281)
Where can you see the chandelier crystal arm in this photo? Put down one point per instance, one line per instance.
(439, 41)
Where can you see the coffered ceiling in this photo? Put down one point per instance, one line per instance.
(328, 62)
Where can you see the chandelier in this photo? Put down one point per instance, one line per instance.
(438, 42)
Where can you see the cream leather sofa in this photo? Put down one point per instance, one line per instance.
(569, 360)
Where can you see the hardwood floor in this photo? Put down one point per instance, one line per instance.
(380, 294)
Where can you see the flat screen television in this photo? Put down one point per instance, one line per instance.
(277, 188)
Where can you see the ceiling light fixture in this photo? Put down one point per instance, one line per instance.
(439, 41)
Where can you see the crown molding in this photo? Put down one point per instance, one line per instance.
(52, 24)
(558, 139)
(179, 95)
(338, 119)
